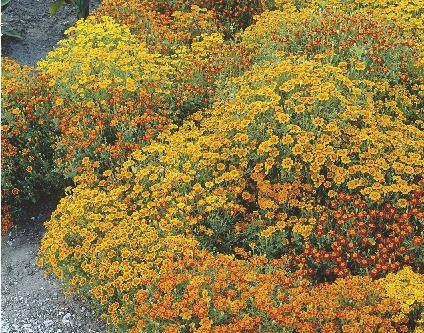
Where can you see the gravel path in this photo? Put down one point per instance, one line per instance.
(32, 303)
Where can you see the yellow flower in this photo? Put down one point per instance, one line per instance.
(318, 121)
(209, 184)
(297, 149)
(375, 196)
(287, 139)
(402, 203)
(287, 163)
(322, 96)
(130, 85)
(153, 177)
(283, 117)
(360, 66)
(299, 108)
(287, 87)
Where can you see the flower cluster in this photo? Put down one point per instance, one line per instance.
(370, 46)
(113, 94)
(406, 286)
(161, 32)
(232, 14)
(353, 238)
(104, 92)
(145, 279)
(296, 166)
(26, 142)
(228, 180)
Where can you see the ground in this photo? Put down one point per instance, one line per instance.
(30, 302)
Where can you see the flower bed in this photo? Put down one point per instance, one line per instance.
(263, 180)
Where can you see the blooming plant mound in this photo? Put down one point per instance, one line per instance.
(371, 47)
(298, 166)
(102, 93)
(27, 173)
(161, 31)
(268, 180)
(114, 93)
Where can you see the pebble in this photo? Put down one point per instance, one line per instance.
(66, 320)
(48, 322)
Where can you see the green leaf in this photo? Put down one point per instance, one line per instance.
(5, 4)
(8, 31)
(58, 4)
(359, 51)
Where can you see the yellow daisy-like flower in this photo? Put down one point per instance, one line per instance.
(402, 203)
(318, 121)
(375, 196)
(283, 117)
(297, 149)
(287, 139)
(287, 163)
(299, 108)
(360, 66)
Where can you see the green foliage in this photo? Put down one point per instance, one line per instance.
(82, 6)
(28, 175)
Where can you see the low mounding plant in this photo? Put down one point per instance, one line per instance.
(372, 48)
(102, 94)
(258, 175)
(233, 14)
(114, 94)
(161, 31)
(268, 180)
(28, 174)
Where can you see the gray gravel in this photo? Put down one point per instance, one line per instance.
(32, 303)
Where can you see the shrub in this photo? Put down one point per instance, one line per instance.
(370, 46)
(114, 94)
(353, 238)
(292, 181)
(233, 14)
(252, 167)
(142, 278)
(201, 70)
(28, 174)
(161, 32)
(254, 176)
(406, 287)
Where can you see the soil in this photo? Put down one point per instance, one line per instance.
(31, 302)
(39, 30)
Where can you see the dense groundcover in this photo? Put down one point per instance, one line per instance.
(237, 166)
